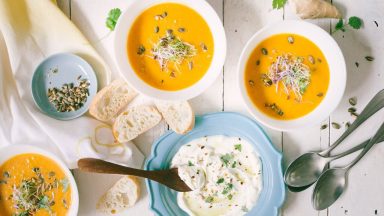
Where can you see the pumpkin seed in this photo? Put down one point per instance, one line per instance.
(321, 94)
(181, 30)
(353, 101)
(311, 59)
(264, 51)
(291, 40)
(141, 50)
(190, 65)
(203, 47)
(266, 80)
(347, 125)
(336, 125)
(69, 97)
(258, 62)
(354, 114)
(169, 32)
(369, 58)
(251, 83)
(157, 29)
(352, 110)
(324, 126)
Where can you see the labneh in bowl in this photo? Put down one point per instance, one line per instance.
(165, 201)
(148, 78)
(319, 88)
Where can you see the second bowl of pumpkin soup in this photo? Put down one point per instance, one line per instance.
(291, 74)
(171, 50)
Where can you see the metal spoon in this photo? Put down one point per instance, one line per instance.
(332, 183)
(321, 166)
(306, 169)
(169, 178)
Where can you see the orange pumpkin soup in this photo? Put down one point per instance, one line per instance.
(32, 184)
(170, 46)
(286, 76)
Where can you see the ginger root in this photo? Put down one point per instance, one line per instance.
(312, 9)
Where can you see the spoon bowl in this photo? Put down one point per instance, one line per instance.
(329, 188)
(305, 170)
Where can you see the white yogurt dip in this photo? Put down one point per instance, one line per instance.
(224, 173)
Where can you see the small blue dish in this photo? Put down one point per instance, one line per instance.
(56, 71)
(163, 201)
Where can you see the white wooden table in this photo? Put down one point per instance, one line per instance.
(242, 18)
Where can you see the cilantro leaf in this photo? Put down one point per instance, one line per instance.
(220, 180)
(112, 18)
(277, 4)
(238, 147)
(355, 22)
(227, 189)
(339, 25)
(234, 164)
(230, 196)
(209, 199)
(190, 163)
(226, 159)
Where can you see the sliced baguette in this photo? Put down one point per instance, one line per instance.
(111, 99)
(135, 121)
(122, 195)
(178, 114)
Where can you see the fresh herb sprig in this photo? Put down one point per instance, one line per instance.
(112, 18)
(277, 4)
(354, 22)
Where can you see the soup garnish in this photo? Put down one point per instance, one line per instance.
(32, 184)
(170, 46)
(286, 76)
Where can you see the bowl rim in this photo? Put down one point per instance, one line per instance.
(92, 78)
(273, 192)
(10, 151)
(337, 83)
(205, 10)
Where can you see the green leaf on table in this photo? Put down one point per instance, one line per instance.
(355, 22)
(340, 25)
(112, 18)
(277, 4)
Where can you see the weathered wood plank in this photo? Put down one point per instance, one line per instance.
(298, 142)
(364, 195)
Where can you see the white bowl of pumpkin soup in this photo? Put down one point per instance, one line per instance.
(292, 74)
(170, 50)
(35, 182)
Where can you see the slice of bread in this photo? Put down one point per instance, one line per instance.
(178, 114)
(122, 195)
(135, 121)
(110, 100)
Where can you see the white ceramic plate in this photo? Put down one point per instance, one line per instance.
(120, 44)
(337, 68)
(10, 151)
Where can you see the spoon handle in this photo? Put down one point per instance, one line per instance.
(99, 166)
(354, 149)
(376, 103)
(378, 136)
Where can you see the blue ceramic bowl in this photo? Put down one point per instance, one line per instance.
(55, 71)
(163, 201)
